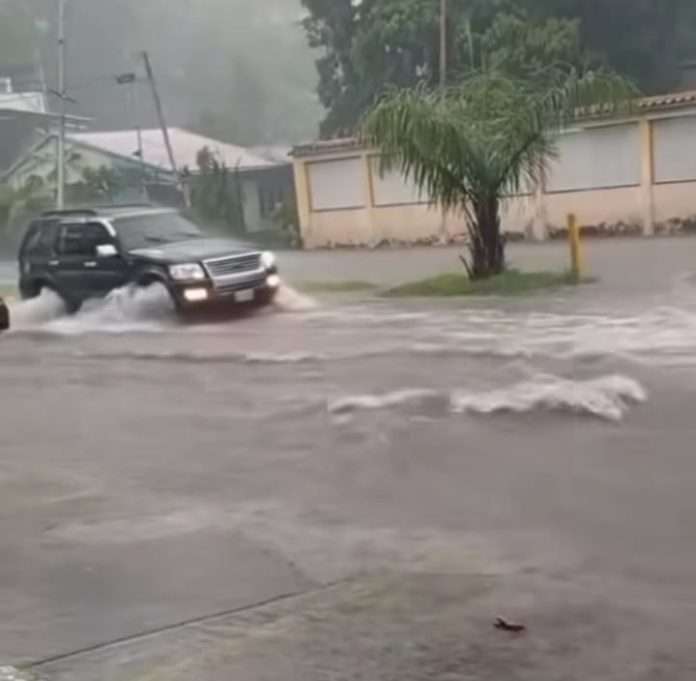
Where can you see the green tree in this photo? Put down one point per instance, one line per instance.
(469, 146)
(216, 196)
(366, 47)
(524, 48)
(642, 39)
(377, 44)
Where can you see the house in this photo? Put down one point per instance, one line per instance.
(630, 175)
(37, 166)
(263, 183)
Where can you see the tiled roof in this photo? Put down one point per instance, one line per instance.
(326, 146)
(674, 100)
(669, 101)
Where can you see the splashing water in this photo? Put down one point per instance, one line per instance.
(123, 310)
(290, 300)
(127, 309)
(26, 314)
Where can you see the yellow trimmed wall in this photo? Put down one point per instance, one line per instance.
(633, 176)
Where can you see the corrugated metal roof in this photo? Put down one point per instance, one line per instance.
(27, 102)
(185, 144)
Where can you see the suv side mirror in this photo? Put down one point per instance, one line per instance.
(106, 251)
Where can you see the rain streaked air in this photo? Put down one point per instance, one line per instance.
(347, 340)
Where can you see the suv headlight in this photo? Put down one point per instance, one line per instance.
(188, 272)
(268, 260)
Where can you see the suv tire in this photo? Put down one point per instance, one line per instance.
(71, 307)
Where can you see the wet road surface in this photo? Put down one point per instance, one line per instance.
(354, 488)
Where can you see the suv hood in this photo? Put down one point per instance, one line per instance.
(193, 250)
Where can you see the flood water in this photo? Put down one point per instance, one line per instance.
(550, 436)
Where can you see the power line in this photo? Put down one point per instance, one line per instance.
(443, 43)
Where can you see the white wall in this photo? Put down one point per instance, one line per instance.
(619, 178)
(674, 144)
(596, 158)
(337, 185)
(391, 189)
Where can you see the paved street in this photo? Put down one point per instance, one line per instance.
(353, 488)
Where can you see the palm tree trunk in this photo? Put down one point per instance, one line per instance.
(486, 246)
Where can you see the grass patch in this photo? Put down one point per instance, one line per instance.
(510, 283)
(335, 286)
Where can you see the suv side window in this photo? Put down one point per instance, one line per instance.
(70, 239)
(41, 238)
(95, 234)
(81, 239)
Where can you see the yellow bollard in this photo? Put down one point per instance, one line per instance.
(575, 247)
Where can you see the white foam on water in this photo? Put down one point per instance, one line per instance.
(282, 358)
(606, 397)
(392, 399)
(644, 337)
(207, 357)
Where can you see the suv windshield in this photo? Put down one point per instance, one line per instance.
(145, 231)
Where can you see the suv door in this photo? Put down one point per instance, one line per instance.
(81, 273)
(105, 273)
(37, 257)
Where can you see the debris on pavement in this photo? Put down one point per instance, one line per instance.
(504, 625)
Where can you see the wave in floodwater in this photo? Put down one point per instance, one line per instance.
(124, 310)
(607, 397)
(651, 336)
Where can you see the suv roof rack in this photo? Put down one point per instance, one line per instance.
(94, 210)
(109, 206)
(68, 211)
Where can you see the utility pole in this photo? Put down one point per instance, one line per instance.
(132, 80)
(160, 112)
(139, 134)
(443, 43)
(443, 84)
(60, 156)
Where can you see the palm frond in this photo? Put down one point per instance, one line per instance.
(468, 146)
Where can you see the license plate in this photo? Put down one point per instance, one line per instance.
(245, 296)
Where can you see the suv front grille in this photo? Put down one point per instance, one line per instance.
(237, 264)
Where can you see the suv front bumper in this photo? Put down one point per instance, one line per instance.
(208, 294)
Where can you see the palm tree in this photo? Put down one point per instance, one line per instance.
(491, 136)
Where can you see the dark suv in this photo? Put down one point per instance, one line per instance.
(4, 316)
(81, 254)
